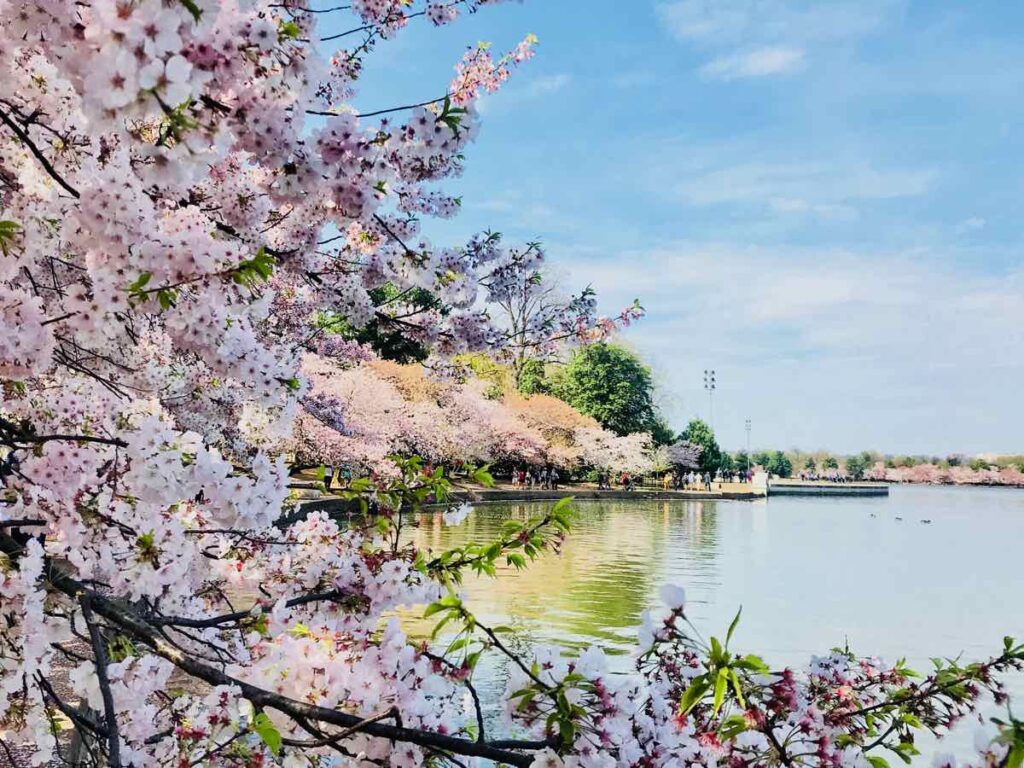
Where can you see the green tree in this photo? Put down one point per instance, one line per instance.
(762, 458)
(829, 462)
(533, 378)
(387, 337)
(741, 460)
(856, 466)
(810, 465)
(978, 465)
(661, 432)
(780, 465)
(727, 465)
(611, 384)
(699, 433)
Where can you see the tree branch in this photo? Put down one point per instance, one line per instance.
(130, 623)
(110, 717)
(27, 141)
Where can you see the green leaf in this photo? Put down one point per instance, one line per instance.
(751, 663)
(717, 652)
(258, 269)
(140, 283)
(692, 695)
(737, 688)
(562, 505)
(166, 297)
(288, 30)
(877, 761)
(435, 608)
(721, 681)
(265, 729)
(193, 8)
(732, 627)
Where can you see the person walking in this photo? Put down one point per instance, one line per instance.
(553, 478)
(544, 477)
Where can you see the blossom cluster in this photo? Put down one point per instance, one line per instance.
(691, 703)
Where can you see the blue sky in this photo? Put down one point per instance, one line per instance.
(820, 200)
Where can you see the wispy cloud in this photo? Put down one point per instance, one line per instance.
(828, 189)
(732, 21)
(972, 224)
(759, 38)
(540, 86)
(533, 88)
(761, 62)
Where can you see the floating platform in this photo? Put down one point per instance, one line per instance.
(783, 488)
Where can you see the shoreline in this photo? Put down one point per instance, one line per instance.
(506, 495)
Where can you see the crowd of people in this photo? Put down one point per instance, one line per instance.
(548, 478)
(528, 477)
(832, 476)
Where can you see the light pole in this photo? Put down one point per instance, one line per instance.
(746, 426)
(709, 386)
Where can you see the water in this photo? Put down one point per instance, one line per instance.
(810, 573)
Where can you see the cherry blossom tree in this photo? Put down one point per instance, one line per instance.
(541, 317)
(184, 187)
(605, 450)
(683, 455)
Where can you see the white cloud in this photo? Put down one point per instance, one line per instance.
(758, 38)
(731, 21)
(847, 349)
(826, 189)
(548, 84)
(761, 62)
(524, 91)
(973, 224)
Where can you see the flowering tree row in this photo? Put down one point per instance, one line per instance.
(359, 415)
(936, 475)
(184, 186)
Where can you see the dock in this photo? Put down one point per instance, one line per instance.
(825, 488)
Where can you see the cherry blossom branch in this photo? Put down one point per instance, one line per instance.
(110, 717)
(289, 7)
(130, 623)
(182, 621)
(375, 113)
(43, 160)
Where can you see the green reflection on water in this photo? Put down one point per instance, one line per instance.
(595, 589)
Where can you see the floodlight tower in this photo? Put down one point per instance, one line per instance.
(709, 387)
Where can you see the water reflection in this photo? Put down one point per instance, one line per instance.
(594, 590)
(810, 574)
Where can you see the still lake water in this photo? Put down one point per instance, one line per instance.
(810, 573)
